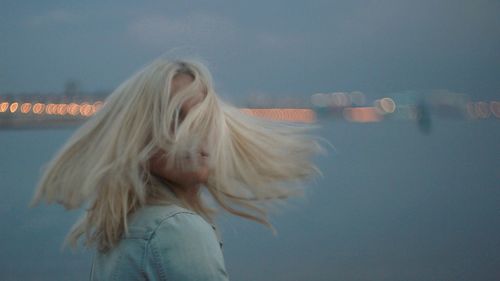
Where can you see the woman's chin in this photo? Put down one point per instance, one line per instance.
(202, 175)
(193, 178)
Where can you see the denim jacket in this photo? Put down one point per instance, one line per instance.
(163, 243)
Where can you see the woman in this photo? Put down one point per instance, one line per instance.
(139, 164)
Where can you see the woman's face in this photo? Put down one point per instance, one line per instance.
(183, 178)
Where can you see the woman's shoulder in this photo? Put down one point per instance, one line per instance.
(144, 222)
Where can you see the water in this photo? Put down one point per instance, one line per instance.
(394, 204)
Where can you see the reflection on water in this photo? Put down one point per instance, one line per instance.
(395, 203)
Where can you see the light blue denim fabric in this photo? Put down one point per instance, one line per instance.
(163, 243)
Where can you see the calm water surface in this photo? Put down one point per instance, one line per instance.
(394, 204)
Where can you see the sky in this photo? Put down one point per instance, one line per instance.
(275, 48)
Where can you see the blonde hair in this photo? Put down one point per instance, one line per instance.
(105, 164)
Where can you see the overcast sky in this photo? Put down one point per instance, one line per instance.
(270, 47)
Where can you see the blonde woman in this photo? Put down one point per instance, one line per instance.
(139, 165)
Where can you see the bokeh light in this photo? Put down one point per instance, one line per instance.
(25, 107)
(38, 108)
(282, 114)
(362, 114)
(13, 107)
(4, 106)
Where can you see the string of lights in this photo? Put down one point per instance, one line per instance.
(351, 107)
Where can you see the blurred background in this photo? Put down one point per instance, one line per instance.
(408, 93)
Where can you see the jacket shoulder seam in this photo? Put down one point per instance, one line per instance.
(163, 220)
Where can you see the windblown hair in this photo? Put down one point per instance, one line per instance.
(105, 165)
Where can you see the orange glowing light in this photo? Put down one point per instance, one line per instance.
(50, 108)
(38, 108)
(4, 106)
(25, 107)
(85, 109)
(61, 109)
(73, 109)
(362, 114)
(13, 107)
(283, 114)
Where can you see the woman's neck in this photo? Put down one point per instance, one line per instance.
(187, 193)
